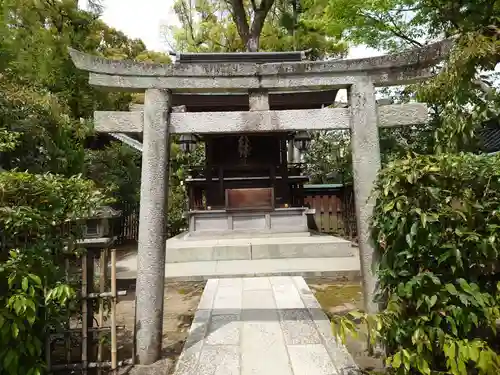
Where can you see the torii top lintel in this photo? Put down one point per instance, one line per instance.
(404, 67)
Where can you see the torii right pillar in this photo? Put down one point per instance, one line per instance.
(365, 145)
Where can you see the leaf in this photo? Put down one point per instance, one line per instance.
(473, 317)
(432, 301)
(406, 359)
(396, 360)
(36, 279)
(473, 353)
(462, 369)
(15, 330)
(423, 366)
(9, 358)
(423, 219)
(409, 240)
(484, 361)
(389, 206)
(451, 289)
(25, 284)
(414, 229)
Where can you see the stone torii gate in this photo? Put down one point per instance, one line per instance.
(157, 122)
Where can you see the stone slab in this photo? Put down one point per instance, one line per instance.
(311, 359)
(279, 331)
(181, 250)
(219, 360)
(261, 121)
(347, 268)
(263, 351)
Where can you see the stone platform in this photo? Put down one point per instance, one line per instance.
(262, 326)
(183, 248)
(345, 268)
(308, 256)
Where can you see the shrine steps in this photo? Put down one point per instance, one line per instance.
(342, 266)
(183, 249)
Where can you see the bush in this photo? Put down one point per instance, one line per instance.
(436, 230)
(436, 227)
(34, 211)
(117, 169)
(47, 140)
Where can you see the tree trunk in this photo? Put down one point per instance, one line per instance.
(250, 34)
(252, 43)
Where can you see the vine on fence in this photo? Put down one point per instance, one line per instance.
(436, 226)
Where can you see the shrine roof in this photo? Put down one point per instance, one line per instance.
(238, 57)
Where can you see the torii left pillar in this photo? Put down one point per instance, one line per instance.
(152, 226)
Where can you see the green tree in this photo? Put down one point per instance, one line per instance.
(117, 169)
(48, 140)
(461, 95)
(227, 26)
(34, 38)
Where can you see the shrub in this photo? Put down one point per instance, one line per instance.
(117, 169)
(436, 228)
(33, 299)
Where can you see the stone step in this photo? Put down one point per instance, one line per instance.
(181, 250)
(340, 267)
(234, 234)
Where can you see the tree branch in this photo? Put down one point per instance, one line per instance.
(394, 30)
(484, 87)
(240, 19)
(400, 32)
(258, 24)
(254, 5)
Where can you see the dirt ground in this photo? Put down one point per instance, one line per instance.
(182, 298)
(339, 298)
(181, 301)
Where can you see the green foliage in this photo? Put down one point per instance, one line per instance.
(209, 26)
(436, 227)
(34, 40)
(461, 96)
(46, 138)
(394, 24)
(177, 198)
(328, 159)
(117, 169)
(34, 212)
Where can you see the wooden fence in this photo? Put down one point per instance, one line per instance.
(128, 228)
(87, 342)
(334, 205)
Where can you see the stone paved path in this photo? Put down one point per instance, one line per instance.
(261, 326)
